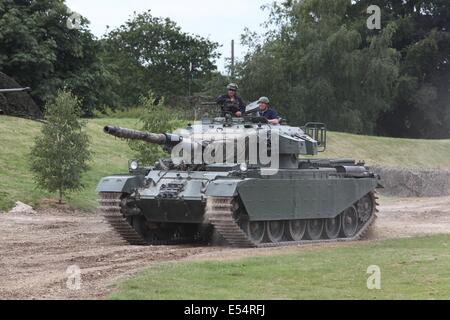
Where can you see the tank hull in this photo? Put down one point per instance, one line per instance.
(224, 201)
(173, 211)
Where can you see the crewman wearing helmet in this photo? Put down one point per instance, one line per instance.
(231, 102)
(266, 111)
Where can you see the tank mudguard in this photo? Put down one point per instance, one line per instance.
(124, 184)
(222, 188)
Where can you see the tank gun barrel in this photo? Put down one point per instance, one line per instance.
(155, 138)
(14, 90)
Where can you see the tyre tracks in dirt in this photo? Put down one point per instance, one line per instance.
(37, 249)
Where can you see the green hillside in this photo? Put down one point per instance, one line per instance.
(111, 156)
(16, 137)
(407, 153)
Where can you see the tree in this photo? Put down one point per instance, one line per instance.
(316, 66)
(319, 61)
(215, 84)
(60, 154)
(420, 107)
(151, 53)
(39, 50)
(157, 118)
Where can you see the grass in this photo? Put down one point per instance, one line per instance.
(112, 155)
(405, 153)
(416, 268)
(16, 137)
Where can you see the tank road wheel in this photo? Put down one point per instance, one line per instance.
(314, 228)
(296, 229)
(333, 227)
(350, 222)
(366, 207)
(255, 231)
(275, 230)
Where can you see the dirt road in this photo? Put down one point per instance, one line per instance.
(36, 250)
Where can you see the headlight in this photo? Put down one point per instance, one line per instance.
(134, 165)
(243, 167)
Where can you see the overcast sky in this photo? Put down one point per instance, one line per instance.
(220, 21)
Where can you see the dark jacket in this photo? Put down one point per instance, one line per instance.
(269, 114)
(222, 100)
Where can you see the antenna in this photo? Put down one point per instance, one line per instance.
(190, 79)
(232, 60)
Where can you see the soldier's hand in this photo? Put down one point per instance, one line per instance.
(274, 121)
(238, 114)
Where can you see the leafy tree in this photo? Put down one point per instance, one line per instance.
(156, 118)
(319, 61)
(420, 108)
(38, 50)
(151, 53)
(59, 156)
(316, 66)
(215, 84)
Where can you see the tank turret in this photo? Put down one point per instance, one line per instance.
(251, 135)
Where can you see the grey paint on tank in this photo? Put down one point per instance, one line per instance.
(119, 183)
(223, 188)
(266, 199)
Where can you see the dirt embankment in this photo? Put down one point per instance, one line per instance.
(401, 182)
(37, 249)
(17, 103)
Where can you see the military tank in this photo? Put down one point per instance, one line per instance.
(13, 103)
(14, 90)
(219, 182)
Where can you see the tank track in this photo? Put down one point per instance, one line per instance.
(220, 211)
(110, 206)
(111, 210)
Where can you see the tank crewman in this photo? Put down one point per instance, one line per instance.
(266, 111)
(231, 98)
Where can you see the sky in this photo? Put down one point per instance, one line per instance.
(219, 21)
